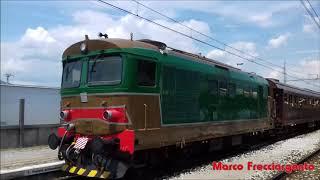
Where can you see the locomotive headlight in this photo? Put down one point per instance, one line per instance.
(70, 126)
(83, 47)
(107, 114)
(64, 115)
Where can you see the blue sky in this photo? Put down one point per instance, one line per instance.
(35, 33)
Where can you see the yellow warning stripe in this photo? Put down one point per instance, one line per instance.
(92, 173)
(81, 171)
(72, 169)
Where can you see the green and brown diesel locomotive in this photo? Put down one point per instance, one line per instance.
(122, 99)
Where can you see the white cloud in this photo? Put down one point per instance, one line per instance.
(311, 66)
(37, 35)
(248, 47)
(259, 13)
(263, 20)
(279, 41)
(309, 28)
(225, 57)
(216, 54)
(275, 74)
(39, 50)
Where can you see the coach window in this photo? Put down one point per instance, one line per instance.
(146, 73)
(290, 99)
(222, 88)
(305, 101)
(295, 100)
(302, 100)
(313, 102)
(285, 98)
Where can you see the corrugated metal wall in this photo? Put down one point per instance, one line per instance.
(41, 105)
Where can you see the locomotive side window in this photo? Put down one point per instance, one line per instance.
(146, 73)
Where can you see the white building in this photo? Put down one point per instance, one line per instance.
(42, 104)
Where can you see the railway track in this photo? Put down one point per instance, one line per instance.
(305, 158)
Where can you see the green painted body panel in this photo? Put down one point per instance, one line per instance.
(186, 96)
(190, 91)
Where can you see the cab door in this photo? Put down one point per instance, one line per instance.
(144, 98)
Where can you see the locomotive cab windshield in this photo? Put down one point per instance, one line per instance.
(101, 70)
(71, 74)
(105, 70)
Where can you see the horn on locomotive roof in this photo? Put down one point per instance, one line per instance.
(105, 35)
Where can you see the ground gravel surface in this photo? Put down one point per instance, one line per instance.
(284, 152)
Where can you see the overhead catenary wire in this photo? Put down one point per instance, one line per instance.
(315, 12)
(210, 37)
(310, 14)
(195, 39)
(183, 34)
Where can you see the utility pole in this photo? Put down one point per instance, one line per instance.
(284, 72)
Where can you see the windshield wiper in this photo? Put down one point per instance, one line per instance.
(94, 63)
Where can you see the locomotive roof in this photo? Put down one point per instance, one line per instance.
(114, 43)
(293, 89)
(102, 44)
